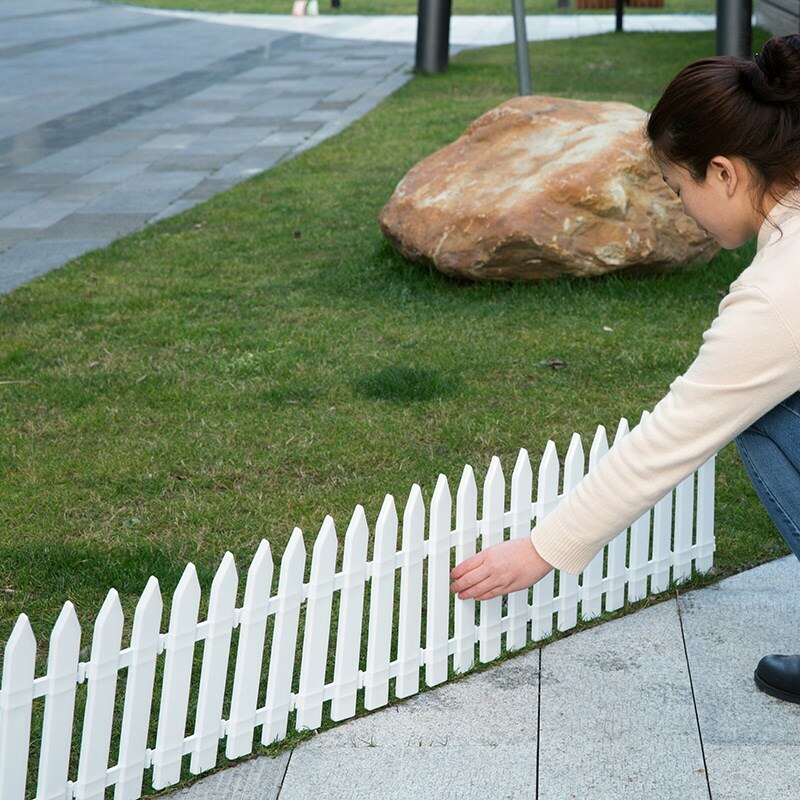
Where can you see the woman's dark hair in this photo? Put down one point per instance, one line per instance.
(735, 107)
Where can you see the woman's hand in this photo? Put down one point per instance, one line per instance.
(500, 569)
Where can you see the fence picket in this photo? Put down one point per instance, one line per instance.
(16, 701)
(519, 609)
(705, 516)
(250, 654)
(316, 636)
(546, 499)
(214, 672)
(617, 549)
(99, 716)
(139, 693)
(59, 707)
(284, 640)
(179, 645)
(467, 535)
(684, 524)
(494, 503)
(438, 593)
(574, 465)
(381, 607)
(592, 580)
(409, 634)
(351, 614)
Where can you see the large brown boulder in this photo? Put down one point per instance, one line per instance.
(540, 187)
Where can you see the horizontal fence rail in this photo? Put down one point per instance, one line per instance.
(361, 632)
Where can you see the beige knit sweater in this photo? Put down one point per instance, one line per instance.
(748, 363)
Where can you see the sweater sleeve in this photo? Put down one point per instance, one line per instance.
(748, 363)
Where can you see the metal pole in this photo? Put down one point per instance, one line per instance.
(734, 27)
(619, 9)
(433, 35)
(521, 42)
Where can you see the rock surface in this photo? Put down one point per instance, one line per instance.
(540, 187)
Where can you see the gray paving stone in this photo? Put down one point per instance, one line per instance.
(39, 214)
(474, 738)
(743, 772)
(257, 779)
(33, 258)
(421, 773)
(722, 659)
(96, 226)
(617, 716)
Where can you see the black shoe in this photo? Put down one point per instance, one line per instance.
(780, 677)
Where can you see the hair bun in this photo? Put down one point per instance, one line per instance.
(775, 72)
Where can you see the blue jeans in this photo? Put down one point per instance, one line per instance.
(770, 449)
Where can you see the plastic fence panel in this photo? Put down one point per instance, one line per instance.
(493, 511)
(466, 540)
(59, 707)
(381, 607)
(705, 516)
(99, 716)
(351, 614)
(410, 627)
(250, 654)
(519, 608)
(177, 680)
(318, 628)
(546, 500)
(438, 618)
(284, 640)
(16, 701)
(574, 465)
(684, 524)
(139, 693)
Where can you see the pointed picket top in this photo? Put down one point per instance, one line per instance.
(599, 446)
(387, 515)
(148, 609)
(414, 513)
(66, 629)
(225, 579)
(294, 555)
(355, 541)
(495, 480)
(188, 588)
(110, 612)
(441, 494)
(623, 429)
(645, 415)
(325, 544)
(574, 463)
(548, 468)
(522, 476)
(21, 646)
(259, 575)
(467, 488)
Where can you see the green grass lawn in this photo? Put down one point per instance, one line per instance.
(410, 6)
(231, 373)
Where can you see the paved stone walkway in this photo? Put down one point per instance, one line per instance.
(111, 118)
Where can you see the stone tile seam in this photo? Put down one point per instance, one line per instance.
(694, 698)
(66, 41)
(283, 777)
(538, 722)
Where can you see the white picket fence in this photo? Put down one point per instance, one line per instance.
(661, 545)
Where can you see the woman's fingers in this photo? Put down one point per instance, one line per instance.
(469, 578)
(466, 566)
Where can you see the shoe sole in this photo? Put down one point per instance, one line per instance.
(774, 691)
